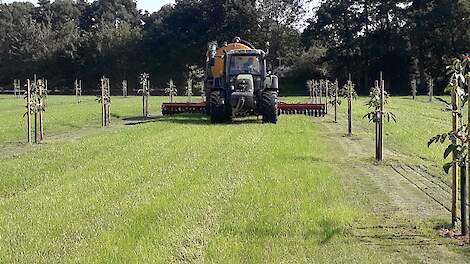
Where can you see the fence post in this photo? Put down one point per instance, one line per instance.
(171, 90)
(190, 89)
(203, 93)
(124, 88)
(468, 134)
(455, 122)
(46, 91)
(377, 131)
(145, 82)
(314, 88)
(78, 90)
(41, 86)
(350, 95)
(17, 88)
(103, 109)
(381, 111)
(317, 91)
(28, 109)
(310, 90)
(413, 89)
(431, 89)
(35, 108)
(147, 94)
(463, 198)
(321, 91)
(327, 94)
(144, 91)
(336, 100)
(108, 100)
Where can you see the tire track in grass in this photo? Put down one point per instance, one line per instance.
(195, 206)
(23, 179)
(59, 189)
(405, 204)
(12, 125)
(290, 210)
(428, 187)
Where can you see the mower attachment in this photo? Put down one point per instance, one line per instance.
(183, 108)
(316, 110)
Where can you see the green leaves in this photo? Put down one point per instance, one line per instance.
(448, 105)
(390, 115)
(456, 147)
(372, 116)
(144, 77)
(374, 103)
(106, 91)
(439, 138)
(334, 102)
(446, 167)
(38, 97)
(458, 139)
(144, 81)
(451, 148)
(347, 90)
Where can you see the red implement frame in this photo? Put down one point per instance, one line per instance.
(316, 110)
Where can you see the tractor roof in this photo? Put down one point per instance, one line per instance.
(246, 52)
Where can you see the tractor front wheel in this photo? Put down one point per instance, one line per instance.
(269, 107)
(217, 108)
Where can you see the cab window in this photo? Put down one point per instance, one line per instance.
(244, 64)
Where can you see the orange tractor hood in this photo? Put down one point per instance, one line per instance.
(218, 68)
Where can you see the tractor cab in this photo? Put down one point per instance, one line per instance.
(245, 63)
(245, 70)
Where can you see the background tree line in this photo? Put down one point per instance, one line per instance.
(66, 39)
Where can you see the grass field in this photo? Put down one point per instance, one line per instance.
(179, 190)
(417, 122)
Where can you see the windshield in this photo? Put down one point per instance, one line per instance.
(245, 64)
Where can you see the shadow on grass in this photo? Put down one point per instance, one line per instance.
(322, 233)
(326, 231)
(185, 119)
(304, 158)
(395, 235)
(115, 115)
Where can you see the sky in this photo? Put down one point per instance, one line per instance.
(150, 5)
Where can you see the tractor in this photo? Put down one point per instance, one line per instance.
(237, 83)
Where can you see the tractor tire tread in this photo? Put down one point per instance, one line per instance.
(269, 107)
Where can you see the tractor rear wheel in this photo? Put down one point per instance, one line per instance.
(269, 107)
(217, 108)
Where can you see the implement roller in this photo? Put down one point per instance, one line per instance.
(309, 109)
(184, 108)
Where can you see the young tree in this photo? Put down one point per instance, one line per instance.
(457, 139)
(349, 93)
(378, 98)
